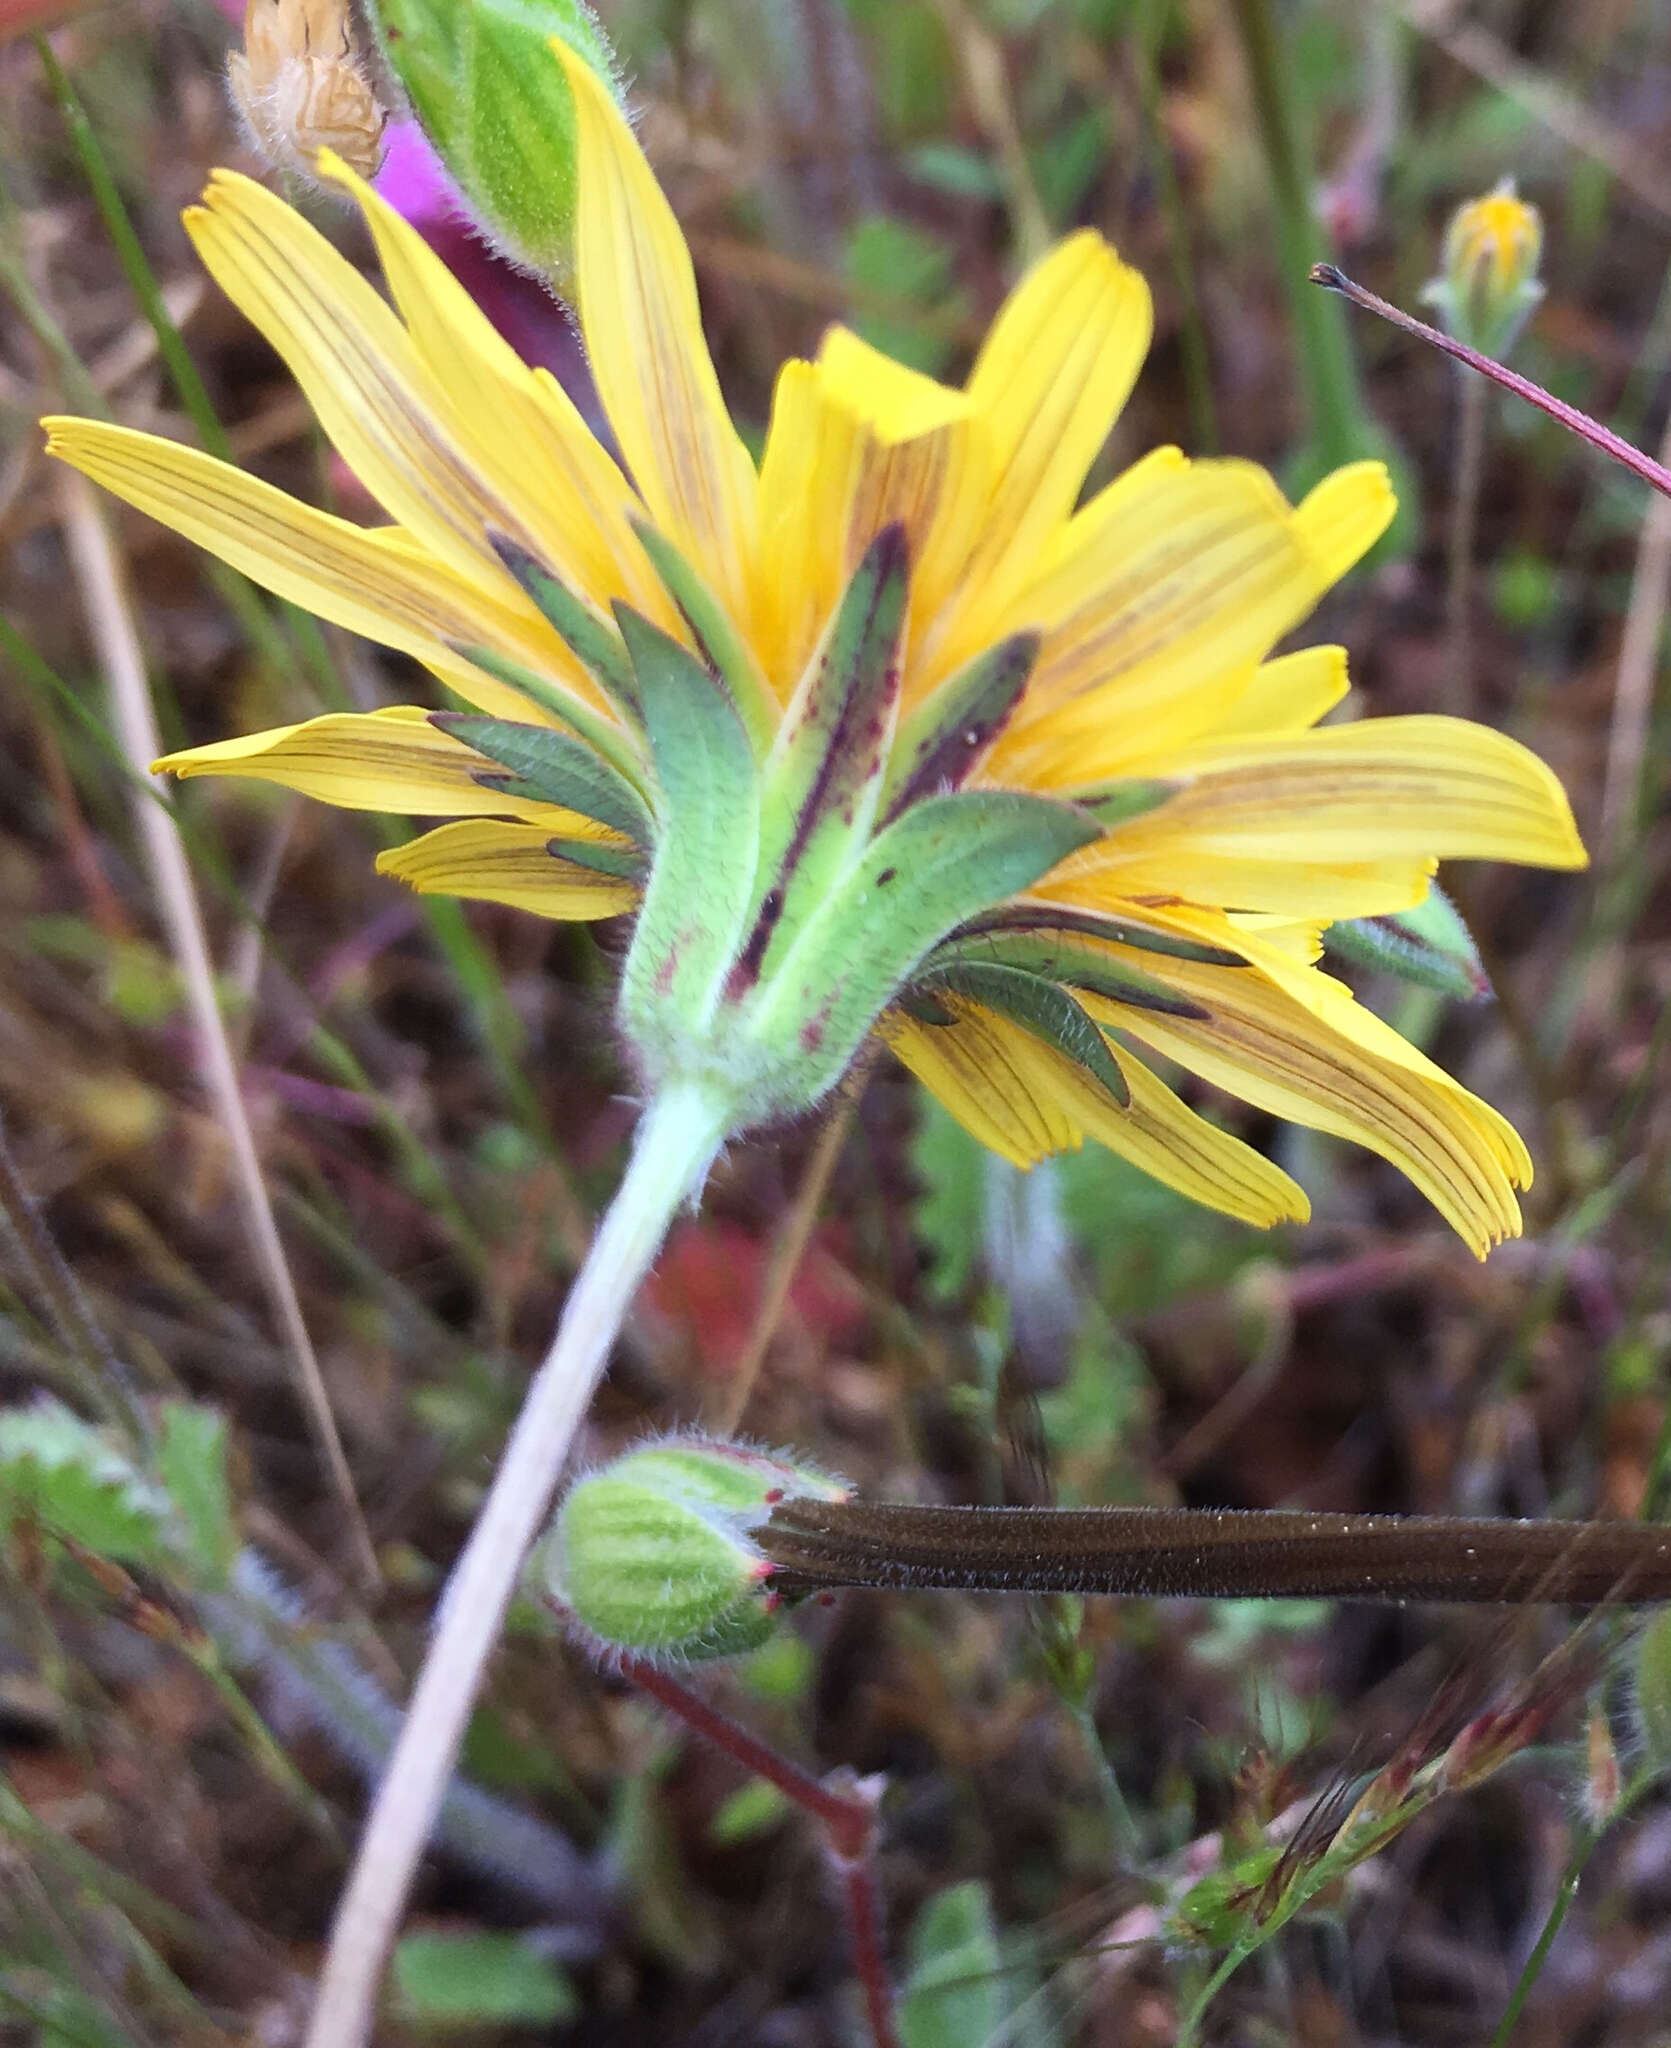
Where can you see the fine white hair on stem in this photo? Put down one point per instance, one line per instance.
(676, 1141)
(99, 582)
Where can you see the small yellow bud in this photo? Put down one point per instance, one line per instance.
(1489, 283)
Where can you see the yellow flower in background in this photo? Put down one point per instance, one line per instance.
(1124, 647)
(1488, 279)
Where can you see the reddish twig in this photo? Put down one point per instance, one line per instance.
(1579, 423)
(847, 1819)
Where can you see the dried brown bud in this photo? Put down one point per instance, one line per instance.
(303, 83)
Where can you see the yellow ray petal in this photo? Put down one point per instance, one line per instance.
(502, 863)
(1173, 1145)
(984, 1070)
(643, 329)
(379, 583)
(1287, 695)
(1166, 588)
(1383, 787)
(1261, 1043)
(525, 434)
(1049, 383)
(396, 427)
(1343, 517)
(1104, 878)
(1025, 1101)
(856, 442)
(387, 760)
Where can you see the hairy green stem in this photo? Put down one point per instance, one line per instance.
(676, 1143)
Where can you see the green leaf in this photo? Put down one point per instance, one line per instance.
(480, 1979)
(953, 1995)
(708, 805)
(589, 638)
(554, 767)
(1653, 1689)
(600, 733)
(753, 1809)
(718, 642)
(625, 862)
(1039, 1006)
(59, 1471)
(1118, 802)
(1123, 930)
(191, 1463)
(948, 732)
(824, 778)
(1060, 958)
(1429, 945)
(934, 867)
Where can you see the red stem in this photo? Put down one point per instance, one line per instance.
(1579, 423)
(848, 1821)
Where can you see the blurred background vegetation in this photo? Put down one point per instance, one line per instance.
(197, 1654)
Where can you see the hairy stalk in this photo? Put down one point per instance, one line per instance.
(676, 1142)
(98, 576)
(847, 1818)
(1459, 568)
(788, 1250)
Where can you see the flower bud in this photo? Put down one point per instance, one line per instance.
(654, 1553)
(1489, 282)
(489, 92)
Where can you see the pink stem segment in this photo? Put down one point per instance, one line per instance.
(1579, 423)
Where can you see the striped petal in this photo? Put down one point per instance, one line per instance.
(857, 441)
(1048, 385)
(643, 329)
(1167, 591)
(394, 424)
(388, 760)
(493, 862)
(1287, 695)
(1294, 1059)
(376, 582)
(1025, 1101)
(526, 437)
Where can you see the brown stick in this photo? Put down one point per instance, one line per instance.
(1215, 1554)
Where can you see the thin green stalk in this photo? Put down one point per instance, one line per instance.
(1589, 1838)
(1192, 330)
(1339, 427)
(1473, 401)
(141, 278)
(676, 1142)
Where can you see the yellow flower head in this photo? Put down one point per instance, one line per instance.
(1488, 282)
(1099, 671)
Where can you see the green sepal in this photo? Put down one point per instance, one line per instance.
(935, 866)
(717, 639)
(1114, 931)
(948, 732)
(555, 768)
(626, 863)
(490, 94)
(1117, 803)
(590, 639)
(708, 809)
(824, 778)
(1429, 945)
(602, 733)
(1058, 958)
(1041, 1007)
